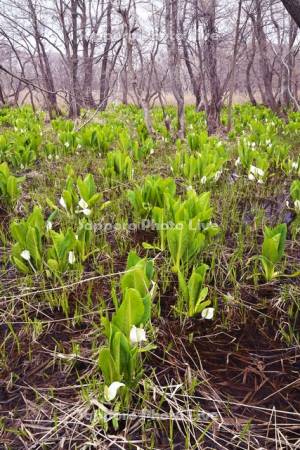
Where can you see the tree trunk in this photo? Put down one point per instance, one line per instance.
(74, 91)
(104, 82)
(195, 81)
(293, 8)
(266, 72)
(287, 96)
(248, 82)
(124, 79)
(214, 106)
(2, 99)
(88, 98)
(88, 63)
(234, 61)
(45, 67)
(174, 61)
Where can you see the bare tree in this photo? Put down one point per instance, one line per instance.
(234, 61)
(43, 59)
(104, 85)
(69, 54)
(250, 56)
(256, 15)
(293, 7)
(172, 22)
(192, 51)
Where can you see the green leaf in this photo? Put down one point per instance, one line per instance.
(279, 234)
(130, 312)
(132, 259)
(36, 219)
(147, 301)
(33, 245)
(120, 351)
(18, 232)
(270, 248)
(201, 303)
(12, 188)
(108, 367)
(135, 278)
(53, 265)
(178, 240)
(67, 196)
(94, 199)
(20, 265)
(183, 286)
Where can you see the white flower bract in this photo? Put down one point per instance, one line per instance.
(87, 211)
(83, 204)
(137, 335)
(208, 313)
(62, 202)
(26, 255)
(256, 171)
(71, 258)
(110, 392)
(297, 206)
(49, 225)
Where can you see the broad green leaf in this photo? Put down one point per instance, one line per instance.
(12, 188)
(21, 265)
(33, 245)
(18, 232)
(108, 367)
(270, 248)
(135, 278)
(201, 303)
(130, 312)
(183, 286)
(53, 265)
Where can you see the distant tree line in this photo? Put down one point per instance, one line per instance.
(74, 54)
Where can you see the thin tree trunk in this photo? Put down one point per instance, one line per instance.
(44, 65)
(265, 69)
(174, 61)
(124, 79)
(214, 105)
(2, 99)
(104, 82)
(234, 61)
(195, 81)
(293, 8)
(75, 91)
(88, 63)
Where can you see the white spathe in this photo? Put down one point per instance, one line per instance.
(87, 211)
(218, 174)
(49, 226)
(26, 255)
(137, 335)
(83, 204)
(208, 313)
(295, 165)
(256, 171)
(71, 258)
(62, 202)
(111, 391)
